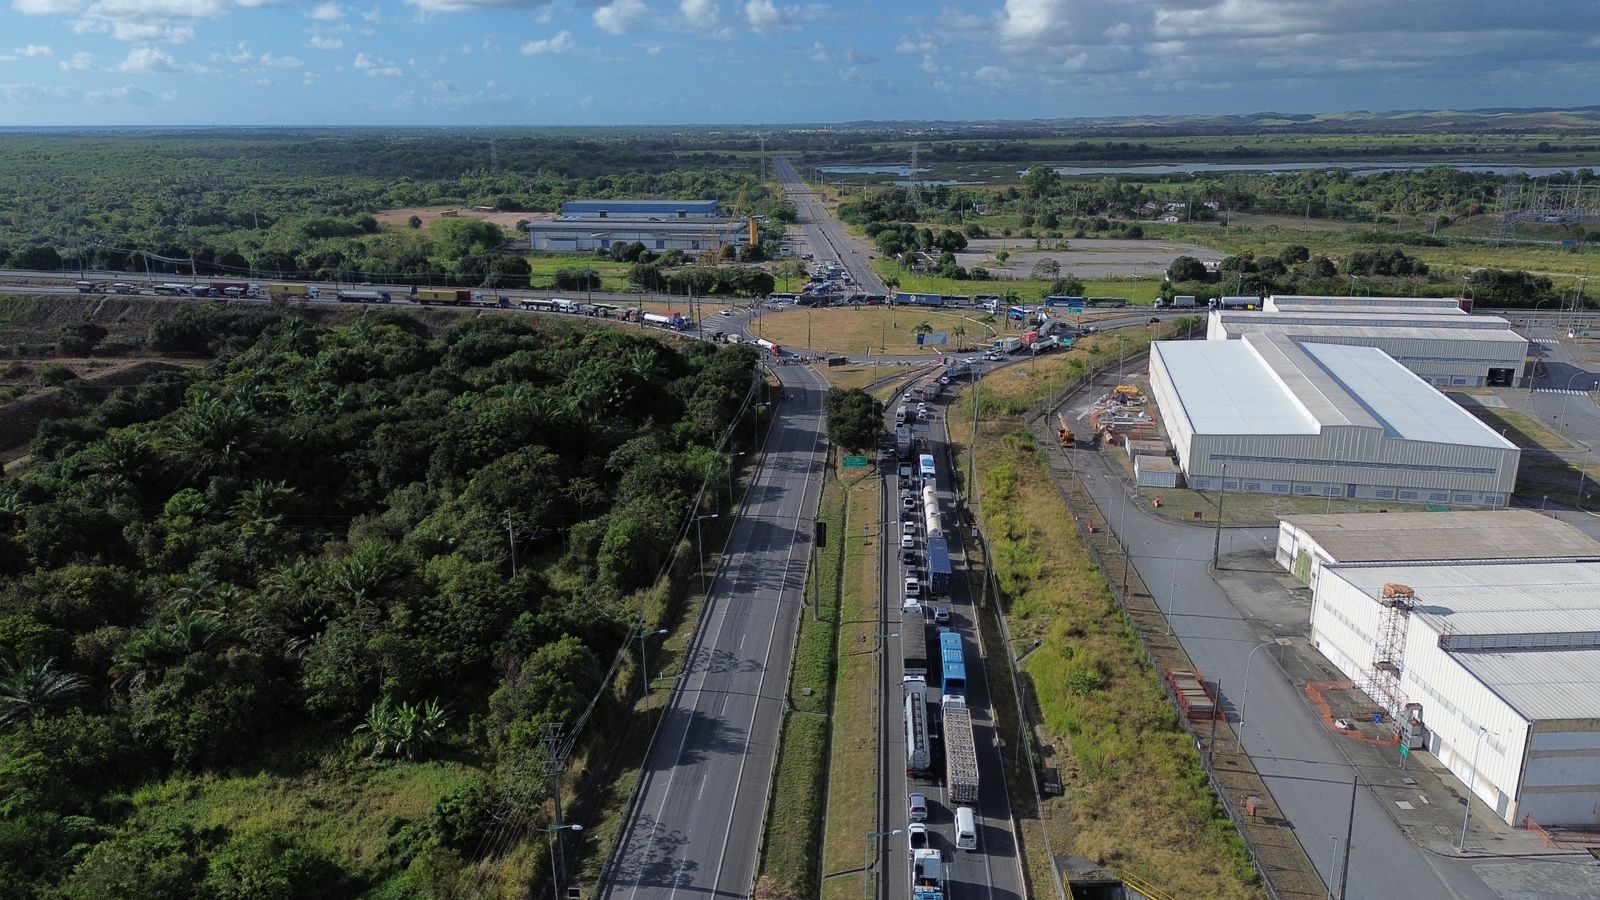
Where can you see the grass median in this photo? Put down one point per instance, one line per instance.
(1136, 795)
(790, 858)
(852, 768)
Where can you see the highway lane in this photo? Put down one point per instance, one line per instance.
(825, 235)
(993, 872)
(695, 827)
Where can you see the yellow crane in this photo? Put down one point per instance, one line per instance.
(714, 255)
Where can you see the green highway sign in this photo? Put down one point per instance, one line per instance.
(855, 462)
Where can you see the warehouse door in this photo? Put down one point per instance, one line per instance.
(1350, 491)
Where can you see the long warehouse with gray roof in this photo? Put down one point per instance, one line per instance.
(1439, 342)
(1272, 415)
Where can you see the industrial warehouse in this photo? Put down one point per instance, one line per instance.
(1306, 543)
(1442, 344)
(694, 226)
(1493, 667)
(1272, 415)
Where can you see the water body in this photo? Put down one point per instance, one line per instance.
(1355, 167)
(902, 171)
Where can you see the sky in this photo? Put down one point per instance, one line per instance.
(666, 62)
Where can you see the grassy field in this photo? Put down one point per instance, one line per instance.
(613, 274)
(1137, 798)
(890, 331)
(1138, 290)
(790, 860)
(852, 770)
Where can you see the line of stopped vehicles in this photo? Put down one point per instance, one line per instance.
(928, 680)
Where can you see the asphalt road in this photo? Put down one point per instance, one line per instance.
(696, 824)
(825, 235)
(1296, 755)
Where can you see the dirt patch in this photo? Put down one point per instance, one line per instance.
(1091, 259)
(401, 218)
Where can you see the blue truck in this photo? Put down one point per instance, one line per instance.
(902, 299)
(938, 566)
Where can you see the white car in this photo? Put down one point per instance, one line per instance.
(913, 586)
(907, 542)
(923, 415)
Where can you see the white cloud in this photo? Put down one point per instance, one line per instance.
(764, 15)
(34, 51)
(993, 76)
(620, 16)
(81, 61)
(325, 12)
(46, 7)
(377, 68)
(148, 61)
(281, 62)
(561, 42)
(444, 6)
(61, 95)
(318, 42)
(441, 86)
(700, 13)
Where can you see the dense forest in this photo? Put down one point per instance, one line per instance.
(348, 557)
(277, 204)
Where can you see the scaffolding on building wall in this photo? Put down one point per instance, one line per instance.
(1381, 679)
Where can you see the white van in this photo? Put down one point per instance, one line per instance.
(966, 829)
(900, 416)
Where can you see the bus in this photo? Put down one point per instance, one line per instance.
(952, 664)
(925, 466)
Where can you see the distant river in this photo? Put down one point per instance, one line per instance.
(1355, 167)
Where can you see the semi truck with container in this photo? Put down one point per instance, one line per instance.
(904, 299)
(913, 646)
(902, 441)
(919, 752)
(1006, 345)
(231, 289)
(938, 565)
(303, 291)
(1246, 302)
(769, 346)
(445, 296)
(960, 753)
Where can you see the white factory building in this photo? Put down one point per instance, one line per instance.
(1437, 306)
(1443, 345)
(1306, 543)
(692, 226)
(1268, 414)
(1501, 661)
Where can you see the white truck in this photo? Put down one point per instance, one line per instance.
(1006, 345)
(1045, 345)
(960, 753)
(1183, 301)
(927, 873)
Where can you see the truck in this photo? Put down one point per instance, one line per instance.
(938, 566)
(903, 299)
(769, 346)
(89, 287)
(1183, 301)
(1247, 302)
(919, 753)
(913, 646)
(363, 296)
(930, 511)
(448, 296)
(232, 289)
(294, 290)
(674, 322)
(902, 441)
(1044, 344)
(960, 753)
(1006, 345)
(927, 873)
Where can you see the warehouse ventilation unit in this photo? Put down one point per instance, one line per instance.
(1382, 678)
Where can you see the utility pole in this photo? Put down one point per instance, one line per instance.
(1216, 545)
(511, 539)
(1349, 830)
(555, 764)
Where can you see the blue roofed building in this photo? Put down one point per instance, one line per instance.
(641, 209)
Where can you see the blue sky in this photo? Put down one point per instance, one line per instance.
(654, 62)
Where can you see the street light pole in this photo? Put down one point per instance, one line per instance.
(550, 838)
(1472, 789)
(1245, 703)
(868, 875)
(1562, 419)
(700, 548)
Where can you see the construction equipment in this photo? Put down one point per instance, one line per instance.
(1065, 436)
(714, 255)
(1128, 393)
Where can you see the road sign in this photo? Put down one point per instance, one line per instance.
(855, 462)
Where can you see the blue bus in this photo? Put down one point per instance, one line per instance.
(953, 664)
(925, 466)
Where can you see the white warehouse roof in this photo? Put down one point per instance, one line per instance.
(1288, 302)
(1540, 685)
(1460, 535)
(1272, 384)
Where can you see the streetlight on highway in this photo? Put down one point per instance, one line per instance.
(731, 458)
(641, 632)
(550, 832)
(1245, 703)
(868, 876)
(1466, 819)
(1562, 419)
(700, 547)
(1172, 587)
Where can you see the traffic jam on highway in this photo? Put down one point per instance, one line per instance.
(933, 672)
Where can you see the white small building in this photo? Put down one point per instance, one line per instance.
(1502, 661)
(1445, 346)
(1271, 415)
(1306, 543)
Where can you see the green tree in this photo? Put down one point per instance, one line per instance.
(1186, 268)
(855, 417)
(1046, 269)
(414, 222)
(32, 687)
(1070, 286)
(1041, 183)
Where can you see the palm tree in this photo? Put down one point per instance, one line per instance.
(960, 331)
(923, 328)
(30, 688)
